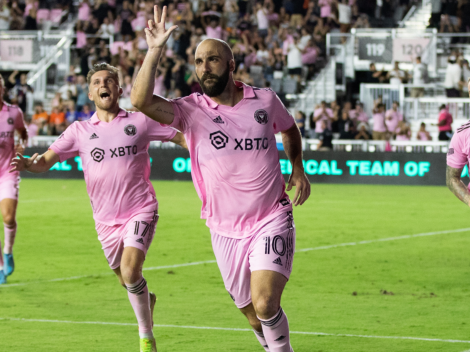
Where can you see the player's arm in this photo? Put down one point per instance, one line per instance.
(36, 164)
(180, 140)
(155, 107)
(455, 184)
(292, 141)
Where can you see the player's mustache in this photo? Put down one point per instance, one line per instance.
(209, 76)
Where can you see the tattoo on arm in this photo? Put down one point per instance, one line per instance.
(159, 109)
(455, 184)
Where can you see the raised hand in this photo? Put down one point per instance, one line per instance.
(156, 34)
(21, 163)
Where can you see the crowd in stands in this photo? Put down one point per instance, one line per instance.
(270, 39)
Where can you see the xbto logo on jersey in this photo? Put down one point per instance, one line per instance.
(7, 134)
(218, 139)
(10, 121)
(250, 144)
(121, 151)
(261, 116)
(97, 154)
(130, 130)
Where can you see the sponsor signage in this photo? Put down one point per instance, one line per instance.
(16, 50)
(375, 49)
(320, 167)
(406, 49)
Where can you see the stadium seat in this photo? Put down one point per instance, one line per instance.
(276, 85)
(289, 86)
(56, 16)
(42, 15)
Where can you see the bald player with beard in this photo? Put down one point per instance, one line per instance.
(230, 131)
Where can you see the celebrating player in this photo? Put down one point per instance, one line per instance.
(457, 157)
(11, 119)
(113, 145)
(235, 168)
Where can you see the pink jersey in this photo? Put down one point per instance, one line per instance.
(392, 118)
(459, 149)
(115, 163)
(234, 158)
(379, 122)
(444, 115)
(11, 119)
(325, 116)
(358, 116)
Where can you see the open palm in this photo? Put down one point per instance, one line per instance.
(156, 34)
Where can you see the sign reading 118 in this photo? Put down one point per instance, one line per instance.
(374, 49)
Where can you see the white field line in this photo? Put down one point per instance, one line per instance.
(60, 200)
(213, 261)
(234, 329)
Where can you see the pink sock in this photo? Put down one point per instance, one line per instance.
(10, 234)
(1, 256)
(276, 332)
(262, 340)
(140, 300)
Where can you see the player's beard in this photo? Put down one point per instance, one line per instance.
(220, 82)
(105, 105)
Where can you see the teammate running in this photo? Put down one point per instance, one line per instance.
(235, 168)
(113, 145)
(11, 120)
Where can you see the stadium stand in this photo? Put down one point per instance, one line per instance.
(352, 54)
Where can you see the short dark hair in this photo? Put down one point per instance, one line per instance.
(103, 67)
(396, 102)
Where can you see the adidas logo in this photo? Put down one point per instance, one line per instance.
(140, 240)
(94, 136)
(218, 119)
(278, 262)
(280, 338)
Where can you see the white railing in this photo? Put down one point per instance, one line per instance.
(422, 108)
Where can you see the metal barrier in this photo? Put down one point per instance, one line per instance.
(422, 108)
(371, 146)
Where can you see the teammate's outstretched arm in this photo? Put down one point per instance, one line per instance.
(180, 140)
(36, 164)
(154, 106)
(292, 141)
(455, 184)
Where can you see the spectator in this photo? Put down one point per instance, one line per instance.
(393, 117)
(86, 113)
(33, 130)
(344, 18)
(57, 121)
(82, 93)
(358, 115)
(213, 27)
(325, 137)
(294, 59)
(403, 131)
(262, 17)
(40, 116)
(374, 76)
(396, 76)
(422, 134)
(20, 90)
(379, 129)
(363, 132)
(30, 21)
(69, 86)
(465, 76)
(346, 126)
(453, 76)
(4, 15)
(420, 77)
(300, 121)
(322, 113)
(71, 114)
(444, 123)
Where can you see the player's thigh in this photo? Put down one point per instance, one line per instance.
(271, 259)
(232, 259)
(8, 208)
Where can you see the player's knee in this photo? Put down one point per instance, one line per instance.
(130, 274)
(266, 306)
(9, 220)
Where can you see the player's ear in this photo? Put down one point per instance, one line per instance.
(90, 96)
(231, 65)
(120, 91)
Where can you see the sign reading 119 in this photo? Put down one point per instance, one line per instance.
(375, 49)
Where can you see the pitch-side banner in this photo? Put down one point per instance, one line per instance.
(320, 167)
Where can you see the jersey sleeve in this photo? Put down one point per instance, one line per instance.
(283, 120)
(159, 132)
(457, 156)
(183, 108)
(19, 120)
(66, 146)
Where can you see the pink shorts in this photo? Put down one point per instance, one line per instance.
(9, 187)
(270, 248)
(138, 232)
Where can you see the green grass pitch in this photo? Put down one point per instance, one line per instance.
(428, 275)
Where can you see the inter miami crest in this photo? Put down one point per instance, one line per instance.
(10, 121)
(130, 130)
(261, 116)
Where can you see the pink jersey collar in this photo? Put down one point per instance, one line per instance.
(5, 107)
(94, 119)
(248, 93)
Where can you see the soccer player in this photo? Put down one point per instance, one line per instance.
(230, 132)
(113, 145)
(11, 120)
